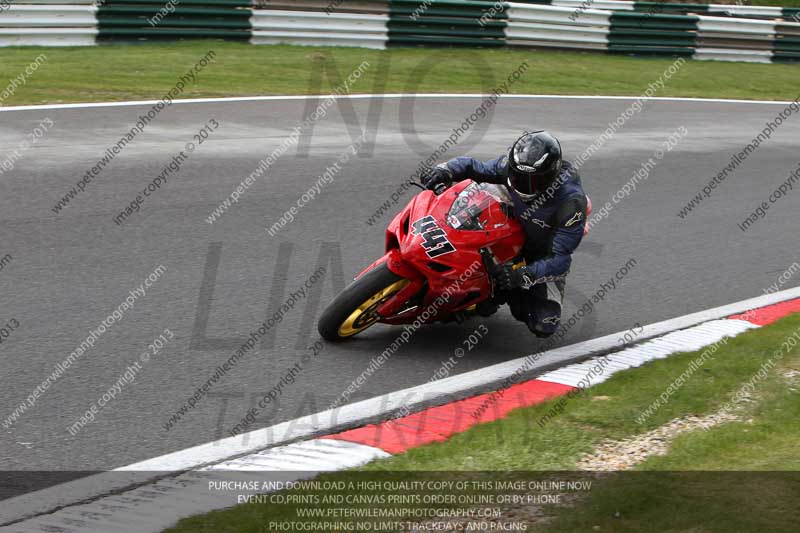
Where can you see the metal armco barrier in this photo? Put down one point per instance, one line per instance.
(48, 25)
(700, 31)
(627, 31)
(446, 22)
(161, 19)
(318, 28)
(719, 10)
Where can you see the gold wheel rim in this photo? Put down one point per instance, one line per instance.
(366, 313)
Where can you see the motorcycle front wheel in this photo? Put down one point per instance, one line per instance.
(356, 308)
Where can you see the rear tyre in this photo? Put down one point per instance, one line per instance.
(355, 309)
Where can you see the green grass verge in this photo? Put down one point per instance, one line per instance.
(766, 439)
(147, 71)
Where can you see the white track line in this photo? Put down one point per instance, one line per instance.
(388, 96)
(684, 340)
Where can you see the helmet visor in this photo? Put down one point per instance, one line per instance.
(522, 182)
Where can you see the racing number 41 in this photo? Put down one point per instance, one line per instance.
(434, 238)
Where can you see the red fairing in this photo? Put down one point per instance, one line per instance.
(436, 241)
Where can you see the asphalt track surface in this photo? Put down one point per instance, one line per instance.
(70, 270)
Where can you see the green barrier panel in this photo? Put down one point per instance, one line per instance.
(654, 34)
(787, 45)
(170, 33)
(419, 30)
(127, 19)
(465, 23)
(786, 56)
(659, 7)
(655, 40)
(639, 20)
(650, 50)
(631, 32)
(402, 40)
(114, 22)
(447, 22)
(189, 17)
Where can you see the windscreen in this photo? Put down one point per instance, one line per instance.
(473, 207)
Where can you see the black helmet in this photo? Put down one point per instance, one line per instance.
(534, 163)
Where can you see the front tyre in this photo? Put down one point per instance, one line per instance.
(356, 308)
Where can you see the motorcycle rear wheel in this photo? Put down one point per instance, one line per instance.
(355, 309)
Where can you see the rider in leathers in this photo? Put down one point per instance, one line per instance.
(550, 204)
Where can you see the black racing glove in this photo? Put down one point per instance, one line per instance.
(437, 179)
(507, 278)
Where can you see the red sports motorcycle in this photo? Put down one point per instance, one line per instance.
(439, 250)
